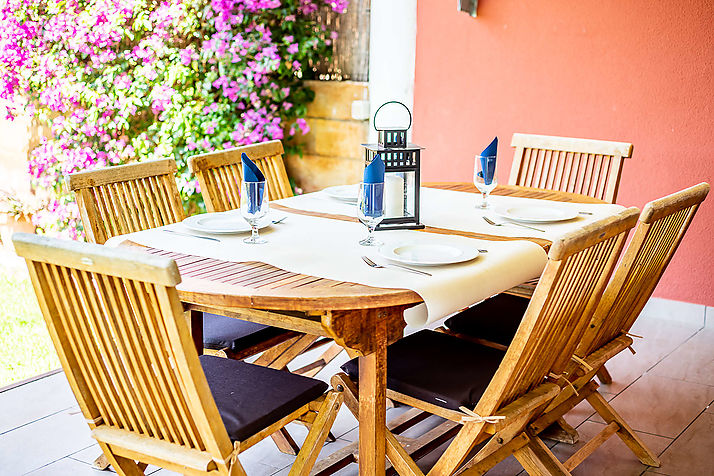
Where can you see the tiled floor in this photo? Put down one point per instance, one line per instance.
(665, 392)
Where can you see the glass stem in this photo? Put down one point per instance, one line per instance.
(484, 200)
(254, 231)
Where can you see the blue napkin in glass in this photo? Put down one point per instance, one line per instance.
(251, 173)
(374, 200)
(488, 161)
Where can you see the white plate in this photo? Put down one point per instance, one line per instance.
(222, 223)
(535, 213)
(426, 254)
(345, 193)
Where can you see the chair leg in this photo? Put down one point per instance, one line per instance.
(285, 442)
(328, 356)
(603, 375)
(317, 435)
(279, 356)
(123, 466)
(101, 462)
(626, 433)
(561, 431)
(538, 460)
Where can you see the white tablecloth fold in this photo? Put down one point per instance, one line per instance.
(328, 249)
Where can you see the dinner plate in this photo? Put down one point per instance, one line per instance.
(222, 223)
(428, 254)
(345, 193)
(535, 213)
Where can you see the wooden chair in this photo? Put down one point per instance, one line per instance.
(584, 166)
(134, 197)
(220, 175)
(661, 228)
(118, 327)
(127, 198)
(494, 394)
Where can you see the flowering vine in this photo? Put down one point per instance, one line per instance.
(120, 80)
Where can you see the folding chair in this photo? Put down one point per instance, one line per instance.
(117, 324)
(134, 197)
(661, 228)
(494, 394)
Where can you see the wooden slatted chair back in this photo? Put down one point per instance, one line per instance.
(579, 266)
(127, 198)
(220, 174)
(117, 324)
(662, 226)
(584, 166)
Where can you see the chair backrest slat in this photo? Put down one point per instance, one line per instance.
(220, 174)
(116, 321)
(584, 166)
(579, 265)
(661, 228)
(127, 198)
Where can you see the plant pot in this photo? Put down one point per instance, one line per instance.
(10, 224)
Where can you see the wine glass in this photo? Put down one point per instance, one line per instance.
(253, 207)
(485, 176)
(370, 209)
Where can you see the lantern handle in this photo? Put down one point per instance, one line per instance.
(374, 121)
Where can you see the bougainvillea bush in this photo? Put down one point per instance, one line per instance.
(120, 80)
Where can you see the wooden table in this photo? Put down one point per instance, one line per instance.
(362, 319)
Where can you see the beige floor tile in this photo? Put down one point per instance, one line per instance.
(34, 400)
(660, 405)
(613, 457)
(660, 338)
(42, 442)
(709, 318)
(692, 452)
(66, 467)
(693, 361)
(667, 309)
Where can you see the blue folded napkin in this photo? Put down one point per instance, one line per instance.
(373, 205)
(374, 172)
(488, 161)
(251, 173)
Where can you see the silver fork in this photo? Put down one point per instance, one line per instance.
(491, 222)
(390, 265)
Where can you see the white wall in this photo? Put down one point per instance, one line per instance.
(392, 53)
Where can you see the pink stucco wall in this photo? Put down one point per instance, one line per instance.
(635, 71)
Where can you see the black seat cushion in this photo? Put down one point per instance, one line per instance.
(495, 319)
(438, 368)
(250, 397)
(221, 332)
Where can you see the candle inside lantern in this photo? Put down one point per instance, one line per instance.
(394, 195)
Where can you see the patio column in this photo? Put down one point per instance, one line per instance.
(392, 53)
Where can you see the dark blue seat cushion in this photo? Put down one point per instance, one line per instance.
(495, 319)
(221, 332)
(250, 397)
(438, 368)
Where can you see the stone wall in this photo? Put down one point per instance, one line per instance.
(332, 155)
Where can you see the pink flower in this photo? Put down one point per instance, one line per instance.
(292, 49)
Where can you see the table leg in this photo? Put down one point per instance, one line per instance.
(372, 407)
(197, 330)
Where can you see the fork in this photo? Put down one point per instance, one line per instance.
(491, 222)
(404, 268)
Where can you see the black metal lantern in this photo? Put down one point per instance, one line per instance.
(401, 174)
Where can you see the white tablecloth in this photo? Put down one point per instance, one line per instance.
(328, 248)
